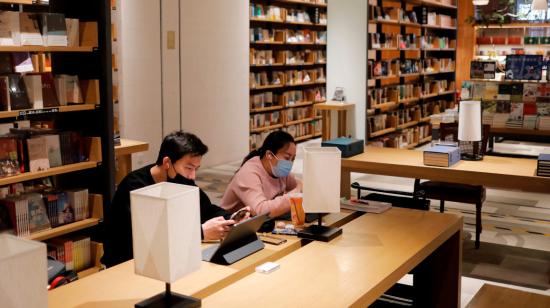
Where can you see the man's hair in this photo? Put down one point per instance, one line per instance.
(178, 144)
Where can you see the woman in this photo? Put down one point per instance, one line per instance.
(264, 181)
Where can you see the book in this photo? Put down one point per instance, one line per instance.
(49, 95)
(54, 150)
(9, 163)
(30, 29)
(51, 206)
(19, 214)
(78, 200)
(530, 92)
(4, 94)
(73, 39)
(54, 29)
(6, 66)
(22, 62)
(33, 84)
(17, 93)
(38, 215)
(66, 213)
(37, 154)
(441, 156)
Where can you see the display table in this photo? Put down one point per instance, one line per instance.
(123, 155)
(373, 253)
(118, 286)
(492, 171)
(342, 109)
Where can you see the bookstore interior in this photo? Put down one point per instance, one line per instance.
(398, 151)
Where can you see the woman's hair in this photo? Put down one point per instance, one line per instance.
(178, 144)
(273, 143)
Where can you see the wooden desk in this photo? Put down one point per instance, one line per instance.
(372, 254)
(496, 172)
(123, 155)
(494, 296)
(342, 109)
(120, 287)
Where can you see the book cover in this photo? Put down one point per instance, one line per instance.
(530, 92)
(90, 91)
(66, 214)
(54, 29)
(9, 28)
(503, 107)
(9, 163)
(38, 215)
(18, 93)
(19, 214)
(443, 156)
(37, 154)
(516, 93)
(543, 109)
(491, 91)
(33, 84)
(72, 88)
(54, 150)
(516, 112)
(30, 29)
(51, 206)
(89, 33)
(49, 95)
(22, 62)
(478, 88)
(529, 109)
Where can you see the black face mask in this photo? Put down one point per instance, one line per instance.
(179, 179)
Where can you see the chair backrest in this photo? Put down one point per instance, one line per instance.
(451, 130)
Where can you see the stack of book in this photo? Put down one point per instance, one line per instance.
(543, 165)
(33, 212)
(544, 123)
(74, 252)
(441, 156)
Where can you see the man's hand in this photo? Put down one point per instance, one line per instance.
(216, 228)
(241, 215)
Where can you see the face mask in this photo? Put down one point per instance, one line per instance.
(282, 168)
(179, 179)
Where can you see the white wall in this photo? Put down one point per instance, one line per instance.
(347, 58)
(171, 100)
(140, 76)
(214, 68)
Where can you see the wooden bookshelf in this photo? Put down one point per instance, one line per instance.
(97, 253)
(27, 112)
(414, 52)
(303, 138)
(96, 174)
(281, 42)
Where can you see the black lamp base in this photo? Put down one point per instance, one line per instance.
(172, 300)
(320, 233)
(471, 156)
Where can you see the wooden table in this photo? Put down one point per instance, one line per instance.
(495, 296)
(492, 171)
(372, 254)
(123, 155)
(342, 109)
(118, 286)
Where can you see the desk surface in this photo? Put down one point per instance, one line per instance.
(119, 286)
(128, 146)
(492, 171)
(373, 253)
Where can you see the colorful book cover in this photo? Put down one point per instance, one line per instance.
(478, 88)
(37, 154)
(9, 164)
(516, 92)
(516, 112)
(543, 109)
(54, 150)
(529, 109)
(18, 93)
(491, 91)
(38, 215)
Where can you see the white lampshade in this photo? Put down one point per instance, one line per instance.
(166, 230)
(539, 5)
(480, 2)
(23, 273)
(469, 121)
(321, 177)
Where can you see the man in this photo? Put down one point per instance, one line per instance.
(179, 158)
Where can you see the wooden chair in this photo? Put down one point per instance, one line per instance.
(463, 193)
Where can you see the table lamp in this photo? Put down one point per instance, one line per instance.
(469, 130)
(321, 190)
(23, 273)
(166, 237)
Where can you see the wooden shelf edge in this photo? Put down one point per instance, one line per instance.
(262, 129)
(266, 109)
(303, 104)
(46, 49)
(299, 121)
(382, 132)
(407, 125)
(62, 230)
(27, 176)
(302, 138)
(130, 146)
(68, 108)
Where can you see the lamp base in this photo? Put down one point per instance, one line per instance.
(172, 300)
(471, 156)
(320, 233)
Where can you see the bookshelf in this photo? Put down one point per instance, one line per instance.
(287, 67)
(89, 61)
(411, 69)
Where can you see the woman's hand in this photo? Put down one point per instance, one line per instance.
(216, 228)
